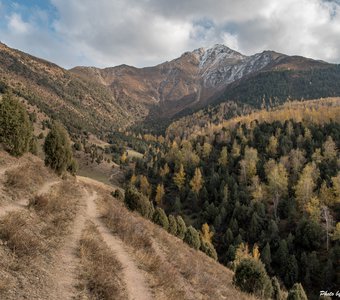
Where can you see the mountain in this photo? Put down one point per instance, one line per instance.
(102, 100)
(193, 80)
(79, 104)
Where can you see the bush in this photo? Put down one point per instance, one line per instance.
(15, 127)
(172, 225)
(251, 277)
(33, 147)
(57, 147)
(159, 217)
(181, 227)
(297, 293)
(135, 200)
(192, 238)
(208, 249)
(118, 194)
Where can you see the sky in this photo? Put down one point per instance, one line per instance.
(105, 33)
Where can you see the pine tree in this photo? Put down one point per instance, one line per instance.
(15, 127)
(251, 277)
(181, 227)
(206, 233)
(179, 177)
(277, 294)
(277, 182)
(297, 293)
(266, 256)
(281, 257)
(291, 271)
(172, 225)
(248, 165)
(272, 146)
(206, 150)
(329, 149)
(192, 238)
(159, 194)
(57, 147)
(164, 171)
(196, 182)
(304, 190)
(159, 217)
(313, 208)
(236, 149)
(144, 184)
(223, 159)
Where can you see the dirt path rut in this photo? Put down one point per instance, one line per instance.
(137, 287)
(22, 203)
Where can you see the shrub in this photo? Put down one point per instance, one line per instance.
(135, 200)
(57, 147)
(208, 249)
(192, 238)
(33, 146)
(118, 194)
(15, 127)
(251, 277)
(172, 225)
(181, 227)
(297, 292)
(159, 217)
(73, 167)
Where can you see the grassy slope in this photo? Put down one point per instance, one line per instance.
(171, 268)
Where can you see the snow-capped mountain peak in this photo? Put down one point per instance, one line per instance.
(220, 65)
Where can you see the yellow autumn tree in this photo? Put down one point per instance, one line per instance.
(196, 182)
(304, 189)
(179, 177)
(313, 208)
(206, 233)
(144, 186)
(242, 252)
(164, 171)
(133, 179)
(223, 159)
(272, 145)
(256, 252)
(159, 194)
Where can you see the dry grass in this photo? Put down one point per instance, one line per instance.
(21, 232)
(28, 176)
(176, 271)
(101, 271)
(57, 208)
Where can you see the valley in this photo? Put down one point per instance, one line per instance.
(211, 176)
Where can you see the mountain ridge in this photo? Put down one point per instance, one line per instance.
(102, 100)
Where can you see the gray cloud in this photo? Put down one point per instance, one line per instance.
(147, 32)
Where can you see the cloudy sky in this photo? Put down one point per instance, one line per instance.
(147, 32)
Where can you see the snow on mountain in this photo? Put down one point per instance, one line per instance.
(220, 65)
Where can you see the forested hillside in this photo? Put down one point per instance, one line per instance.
(276, 86)
(267, 181)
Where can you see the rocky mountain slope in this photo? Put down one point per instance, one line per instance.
(192, 80)
(99, 100)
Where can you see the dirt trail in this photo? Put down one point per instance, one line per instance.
(65, 271)
(22, 203)
(137, 287)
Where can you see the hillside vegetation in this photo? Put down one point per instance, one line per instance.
(265, 185)
(59, 240)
